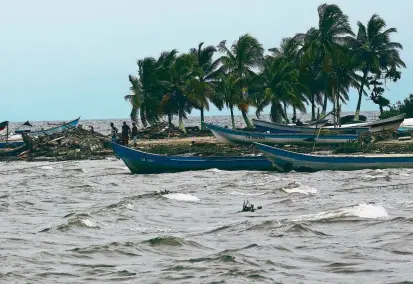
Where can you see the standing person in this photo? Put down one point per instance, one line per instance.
(125, 133)
(113, 132)
(134, 133)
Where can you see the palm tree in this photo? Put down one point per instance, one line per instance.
(202, 83)
(145, 92)
(227, 88)
(374, 52)
(325, 45)
(280, 87)
(245, 54)
(176, 83)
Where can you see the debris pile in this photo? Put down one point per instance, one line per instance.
(71, 144)
(162, 130)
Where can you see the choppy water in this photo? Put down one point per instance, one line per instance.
(93, 222)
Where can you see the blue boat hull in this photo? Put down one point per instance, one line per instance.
(140, 162)
(286, 161)
(11, 144)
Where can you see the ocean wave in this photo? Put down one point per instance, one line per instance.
(214, 170)
(301, 228)
(76, 221)
(46, 168)
(297, 187)
(128, 248)
(181, 197)
(365, 211)
(247, 193)
(171, 241)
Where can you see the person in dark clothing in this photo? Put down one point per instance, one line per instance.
(134, 133)
(125, 133)
(113, 132)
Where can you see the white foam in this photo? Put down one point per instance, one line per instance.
(303, 189)
(85, 171)
(88, 223)
(363, 210)
(181, 197)
(246, 194)
(129, 206)
(214, 170)
(47, 168)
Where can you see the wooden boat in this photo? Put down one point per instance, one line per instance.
(12, 141)
(55, 129)
(272, 127)
(389, 124)
(141, 162)
(16, 140)
(285, 161)
(226, 135)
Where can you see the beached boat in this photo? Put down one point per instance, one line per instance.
(285, 161)
(272, 127)
(16, 140)
(142, 162)
(226, 135)
(54, 129)
(12, 141)
(389, 124)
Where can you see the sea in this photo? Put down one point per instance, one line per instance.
(94, 222)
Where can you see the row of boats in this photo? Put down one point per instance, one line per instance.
(274, 158)
(266, 135)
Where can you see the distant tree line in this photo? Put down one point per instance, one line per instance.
(307, 69)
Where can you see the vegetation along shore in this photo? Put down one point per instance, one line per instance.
(307, 70)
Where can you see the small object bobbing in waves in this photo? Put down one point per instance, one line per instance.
(163, 192)
(248, 207)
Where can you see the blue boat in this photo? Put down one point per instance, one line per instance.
(285, 161)
(16, 140)
(272, 127)
(226, 135)
(140, 162)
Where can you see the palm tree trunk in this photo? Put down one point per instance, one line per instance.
(232, 117)
(294, 114)
(357, 114)
(170, 121)
(334, 108)
(246, 119)
(202, 118)
(381, 109)
(323, 112)
(181, 122)
(285, 113)
(312, 99)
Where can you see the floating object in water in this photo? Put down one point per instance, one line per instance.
(248, 207)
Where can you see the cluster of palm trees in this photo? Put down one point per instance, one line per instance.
(310, 68)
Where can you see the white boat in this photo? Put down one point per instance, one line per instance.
(388, 124)
(225, 135)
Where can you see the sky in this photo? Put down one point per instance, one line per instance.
(64, 59)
